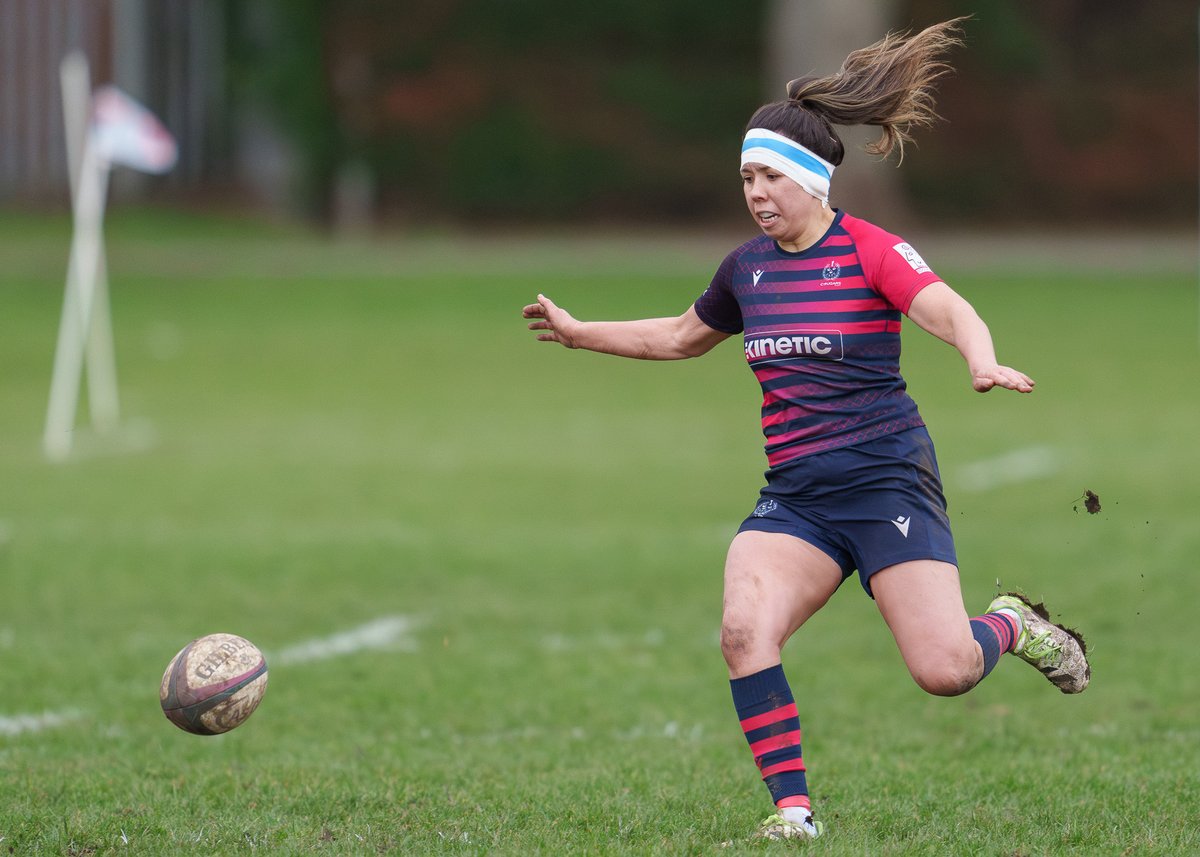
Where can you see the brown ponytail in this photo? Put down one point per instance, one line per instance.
(888, 84)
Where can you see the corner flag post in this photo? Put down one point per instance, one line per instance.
(100, 359)
(85, 299)
(103, 129)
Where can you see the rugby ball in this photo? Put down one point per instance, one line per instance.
(213, 684)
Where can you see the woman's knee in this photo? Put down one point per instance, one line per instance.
(948, 676)
(773, 583)
(740, 643)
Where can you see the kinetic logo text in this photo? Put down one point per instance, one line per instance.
(775, 346)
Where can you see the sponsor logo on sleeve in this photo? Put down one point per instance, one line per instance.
(780, 346)
(912, 257)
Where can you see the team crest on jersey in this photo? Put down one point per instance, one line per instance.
(778, 346)
(831, 271)
(912, 257)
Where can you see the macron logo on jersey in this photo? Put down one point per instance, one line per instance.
(776, 346)
(912, 257)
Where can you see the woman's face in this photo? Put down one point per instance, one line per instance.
(782, 209)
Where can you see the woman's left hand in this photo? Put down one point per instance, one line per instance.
(986, 377)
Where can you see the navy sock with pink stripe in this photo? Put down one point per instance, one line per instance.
(767, 712)
(996, 634)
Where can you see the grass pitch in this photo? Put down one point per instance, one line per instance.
(486, 571)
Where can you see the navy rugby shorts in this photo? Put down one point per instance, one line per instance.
(868, 506)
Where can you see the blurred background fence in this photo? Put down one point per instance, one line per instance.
(169, 54)
(360, 112)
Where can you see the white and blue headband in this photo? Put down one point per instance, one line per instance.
(804, 167)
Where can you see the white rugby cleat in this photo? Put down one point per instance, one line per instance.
(1059, 653)
(778, 827)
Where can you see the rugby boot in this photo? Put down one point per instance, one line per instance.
(778, 827)
(1059, 653)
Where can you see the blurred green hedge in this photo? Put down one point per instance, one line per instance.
(525, 110)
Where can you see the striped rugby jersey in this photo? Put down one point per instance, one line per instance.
(822, 333)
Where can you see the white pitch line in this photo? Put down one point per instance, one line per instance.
(19, 724)
(388, 632)
(1020, 465)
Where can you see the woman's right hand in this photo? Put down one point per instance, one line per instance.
(556, 324)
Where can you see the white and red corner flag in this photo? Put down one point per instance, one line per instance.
(126, 133)
(105, 128)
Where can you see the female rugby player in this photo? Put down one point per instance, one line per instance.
(853, 482)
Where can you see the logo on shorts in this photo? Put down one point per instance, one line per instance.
(902, 523)
(765, 508)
